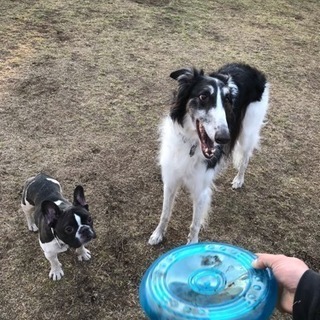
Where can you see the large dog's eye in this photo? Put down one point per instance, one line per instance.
(203, 97)
(68, 229)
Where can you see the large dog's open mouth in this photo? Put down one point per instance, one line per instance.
(207, 145)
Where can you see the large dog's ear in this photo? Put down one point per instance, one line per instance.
(181, 73)
(186, 79)
(51, 212)
(227, 80)
(221, 76)
(79, 198)
(185, 75)
(224, 77)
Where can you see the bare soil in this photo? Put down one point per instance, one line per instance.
(83, 86)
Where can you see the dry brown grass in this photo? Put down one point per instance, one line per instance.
(83, 85)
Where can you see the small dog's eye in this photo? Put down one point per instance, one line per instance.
(68, 229)
(203, 97)
(89, 219)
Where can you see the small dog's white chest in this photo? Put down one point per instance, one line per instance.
(54, 246)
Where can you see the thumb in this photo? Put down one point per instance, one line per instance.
(264, 260)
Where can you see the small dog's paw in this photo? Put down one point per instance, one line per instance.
(83, 254)
(237, 183)
(155, 238)
(56, 274)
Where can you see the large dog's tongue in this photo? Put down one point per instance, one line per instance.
(207, 145)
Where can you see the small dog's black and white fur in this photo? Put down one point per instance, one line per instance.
(61, 224)
(212, 117)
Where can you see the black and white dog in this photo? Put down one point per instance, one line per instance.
(212, 117)
(61, 224)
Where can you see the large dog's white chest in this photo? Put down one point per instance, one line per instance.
(180, 156)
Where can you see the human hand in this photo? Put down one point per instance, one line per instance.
(287, 271)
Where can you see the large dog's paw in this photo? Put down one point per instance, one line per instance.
(32, 227)
(56, 273)
(237, 182)
(83, 254)
(192, 240)
(156, 237)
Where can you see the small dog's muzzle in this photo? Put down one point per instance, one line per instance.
(86, 233)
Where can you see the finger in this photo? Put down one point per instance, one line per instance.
(265, 260)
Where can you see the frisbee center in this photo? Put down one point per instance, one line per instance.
(207, 282)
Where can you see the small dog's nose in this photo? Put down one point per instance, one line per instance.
(87, 232)
(222, 136)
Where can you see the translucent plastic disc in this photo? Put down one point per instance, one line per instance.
(207, 281)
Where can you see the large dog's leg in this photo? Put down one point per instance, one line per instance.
(249, 136)
(241, 158)
(201, 205)
(169, 192)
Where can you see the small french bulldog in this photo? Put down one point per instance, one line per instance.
(61, 224)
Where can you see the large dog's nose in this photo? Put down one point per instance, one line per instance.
(222, 136)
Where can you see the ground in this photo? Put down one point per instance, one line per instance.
(83, 86)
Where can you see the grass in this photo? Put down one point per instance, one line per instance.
(83, 86)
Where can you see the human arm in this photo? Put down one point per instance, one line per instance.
(306, 303)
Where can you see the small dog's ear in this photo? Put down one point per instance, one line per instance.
(51, 212)
(79, 198)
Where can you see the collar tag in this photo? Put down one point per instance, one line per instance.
(60, 245)
(192, 150)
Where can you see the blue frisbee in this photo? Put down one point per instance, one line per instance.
(207, 281)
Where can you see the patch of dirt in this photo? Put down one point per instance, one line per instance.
(157, 3)
(83, 86)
